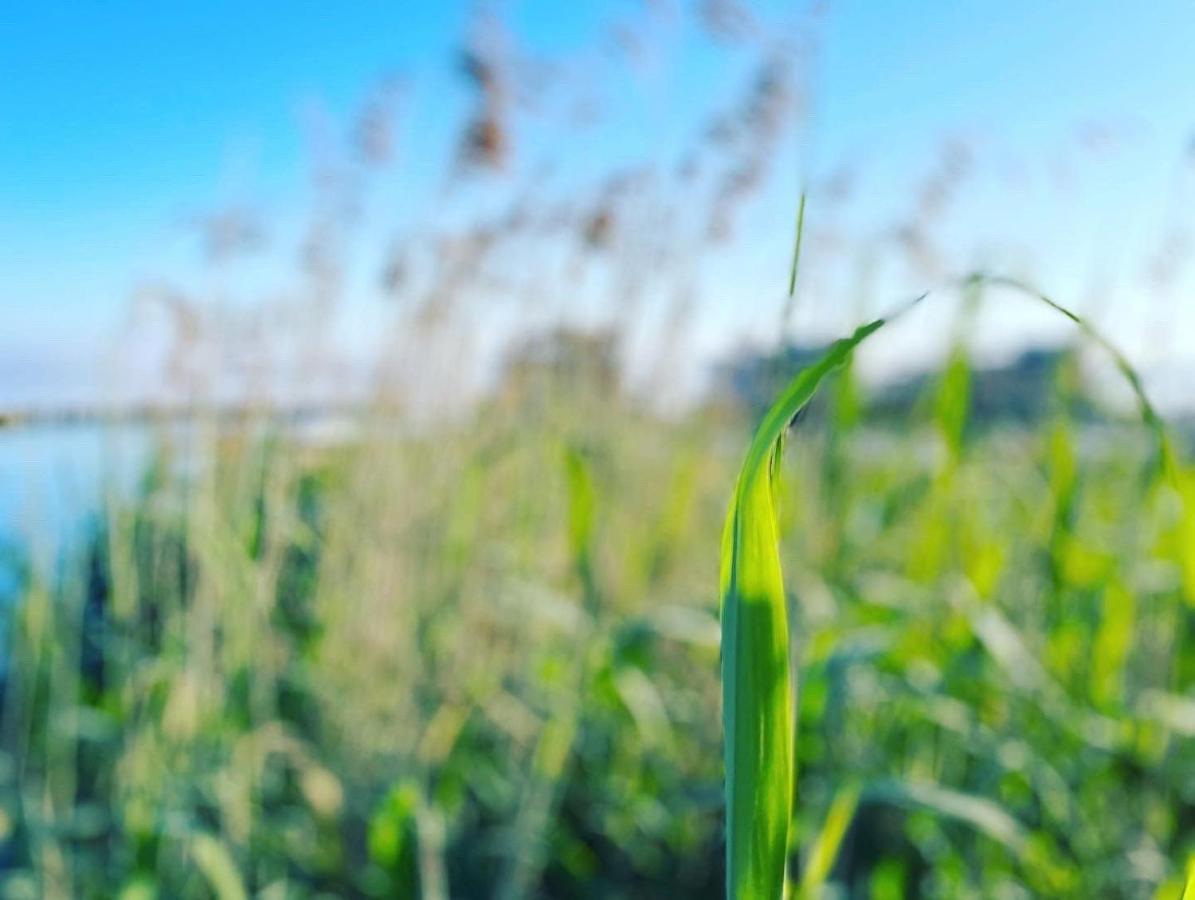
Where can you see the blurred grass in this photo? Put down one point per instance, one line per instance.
(484, 662)
(476, 654)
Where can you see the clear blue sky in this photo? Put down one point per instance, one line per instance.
(118, 118)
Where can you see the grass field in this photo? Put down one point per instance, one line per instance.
(483, 660)
(439, 572)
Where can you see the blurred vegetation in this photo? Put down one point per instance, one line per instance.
(463, 642)
(482, 662)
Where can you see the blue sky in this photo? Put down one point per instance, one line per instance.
(119, 118)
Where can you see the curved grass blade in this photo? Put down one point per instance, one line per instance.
(1164, 461)
(979, 813)
(757, 683)
(1165, 467)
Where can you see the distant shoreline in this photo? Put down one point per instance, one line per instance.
(150, 414)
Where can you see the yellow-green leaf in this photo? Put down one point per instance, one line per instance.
(757, 683)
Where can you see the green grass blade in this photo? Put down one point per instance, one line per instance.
(792, 272)
(1164, 463)
(979, 813)
(215, 861)
(829, 840)
(581, 503)
(791, 299)
(757, 683)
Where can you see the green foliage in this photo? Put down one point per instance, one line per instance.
(452, 664)
(826, 845)
(758, 693)
(392, 838)
(218, 867)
